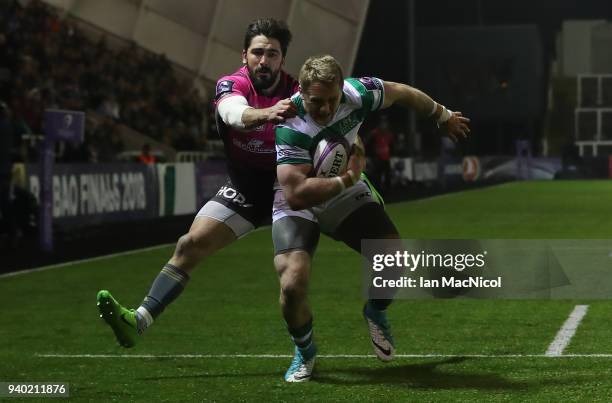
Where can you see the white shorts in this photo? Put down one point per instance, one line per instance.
(328, 215)
(238, 224)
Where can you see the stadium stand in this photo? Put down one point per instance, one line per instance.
(47, 62)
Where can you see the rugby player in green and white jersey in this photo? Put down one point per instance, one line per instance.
(343, 207)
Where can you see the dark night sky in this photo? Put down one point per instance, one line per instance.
(383, 49)
(391, 15)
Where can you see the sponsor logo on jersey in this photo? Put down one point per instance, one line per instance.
(224, 87)
(290, 153)
(370, 83)
(253, 146)
(348, 123)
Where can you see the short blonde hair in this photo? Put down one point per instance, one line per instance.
(324, 69)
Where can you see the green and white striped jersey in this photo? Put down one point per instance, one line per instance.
(297, 137)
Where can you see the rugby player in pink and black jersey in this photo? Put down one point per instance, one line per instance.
(261, 93)
(248, 104)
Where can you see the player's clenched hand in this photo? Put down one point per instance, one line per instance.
(456, 126)
(283, 109)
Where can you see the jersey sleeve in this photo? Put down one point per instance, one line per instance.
(292, 146)
(231, 85)
(371, 90)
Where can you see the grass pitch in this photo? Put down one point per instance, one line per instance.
(209, 344)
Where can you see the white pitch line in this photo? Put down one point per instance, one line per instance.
(91, 259)
(275, 356)
(567, 331)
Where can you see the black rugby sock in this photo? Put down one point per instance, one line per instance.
(302, 336)
(168, 285)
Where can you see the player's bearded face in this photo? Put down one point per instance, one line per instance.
(321, 101)
(263, 77)
(264, 60)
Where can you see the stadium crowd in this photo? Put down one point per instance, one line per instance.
(47, 62)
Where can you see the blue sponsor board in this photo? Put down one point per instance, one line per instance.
(90, 194)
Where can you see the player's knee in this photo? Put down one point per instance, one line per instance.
(183, 245)
(191, 246)
(281, 263)
(293, 292)
(294, 282)
(292, 263)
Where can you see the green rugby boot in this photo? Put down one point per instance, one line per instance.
(120, 319)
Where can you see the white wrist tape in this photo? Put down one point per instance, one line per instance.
(445, 115)
(231, 109)
(339, 179)
(434, 109)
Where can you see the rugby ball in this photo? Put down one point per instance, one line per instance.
(330, 157)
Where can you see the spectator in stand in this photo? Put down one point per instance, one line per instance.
(145, 155)
(116, 141)
(109, 107)
(380, 144)
(196, 133)
(75, 152)
(33, 110)
(106, 141)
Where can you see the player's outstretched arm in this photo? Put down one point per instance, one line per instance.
(278, 113)
(237, 113)
(453, 123)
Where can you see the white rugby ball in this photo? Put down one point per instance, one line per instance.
(330, 157)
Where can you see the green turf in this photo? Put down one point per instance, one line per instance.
(552, 209)
(231, 307)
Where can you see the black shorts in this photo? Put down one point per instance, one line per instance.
(243, 204)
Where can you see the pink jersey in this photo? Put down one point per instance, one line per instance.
(255, 148)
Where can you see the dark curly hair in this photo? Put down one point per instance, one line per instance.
(270, 28)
